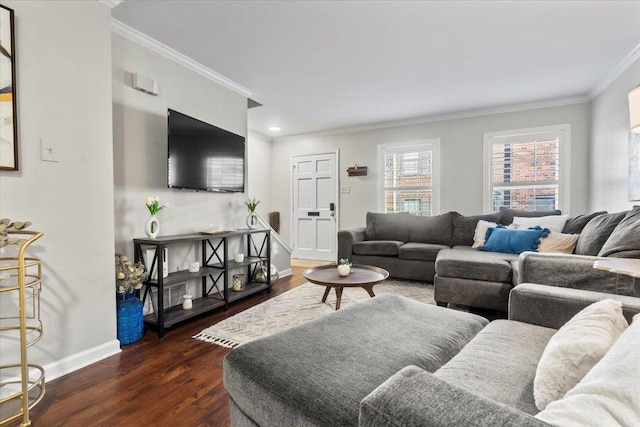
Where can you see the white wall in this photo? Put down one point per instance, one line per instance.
(259, 170)
(609, 175)
(64, 97)
(461, 160)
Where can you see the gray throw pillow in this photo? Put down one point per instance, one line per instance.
(388, 226)
(508, 214)
(575, 224)
(465, 226)
(596, 232)
(431, 229)
(624, 241)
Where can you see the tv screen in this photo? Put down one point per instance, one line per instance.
(202, 156)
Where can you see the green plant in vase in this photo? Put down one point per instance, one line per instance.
(252, 219)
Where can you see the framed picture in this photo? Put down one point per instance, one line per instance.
(634, 167)
(8, 110)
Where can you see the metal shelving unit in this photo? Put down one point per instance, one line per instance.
(22, 383)
(214, 272)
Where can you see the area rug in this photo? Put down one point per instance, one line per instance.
(298, 306)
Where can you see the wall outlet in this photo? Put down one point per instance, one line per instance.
(345, 189)
(48, 151)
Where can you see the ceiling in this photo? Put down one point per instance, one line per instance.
(326, 65)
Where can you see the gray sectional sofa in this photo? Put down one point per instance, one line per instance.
(395, 361)
(438, 249)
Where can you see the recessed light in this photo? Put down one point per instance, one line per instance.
(274, 129)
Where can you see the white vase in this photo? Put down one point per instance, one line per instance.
(151, 227)
(252, 220)
(344, 270)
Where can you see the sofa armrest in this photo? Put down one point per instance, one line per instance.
(552, 306)
(346, 239)
(571, 271)
(415, 397)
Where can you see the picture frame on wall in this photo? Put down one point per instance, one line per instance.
(634, 167)
(8, 108)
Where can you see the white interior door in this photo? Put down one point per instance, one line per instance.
(315, 206)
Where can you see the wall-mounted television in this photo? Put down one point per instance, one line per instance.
(203, 157)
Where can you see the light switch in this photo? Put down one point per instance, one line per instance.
(345, 189)
(48, 151)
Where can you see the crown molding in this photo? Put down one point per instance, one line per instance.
(260, 135)
(560, 102)
(172, 54)
(111, 3)
(616, 72)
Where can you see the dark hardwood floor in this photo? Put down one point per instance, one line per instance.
(174, 381)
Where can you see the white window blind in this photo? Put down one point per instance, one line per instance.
(408, 182)
(525, 170)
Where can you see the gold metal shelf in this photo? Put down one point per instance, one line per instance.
(22, 384)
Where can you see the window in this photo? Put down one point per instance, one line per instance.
(525, 169)
(409, 182)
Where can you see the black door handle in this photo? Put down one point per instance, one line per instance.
(332, 206)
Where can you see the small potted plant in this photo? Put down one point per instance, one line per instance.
(152, 226)
(252, 219)
(344, 267)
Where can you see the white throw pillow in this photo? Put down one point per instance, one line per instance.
(552, 222)
(609, 395)
(481, 232)
(558, 243)
(577, 346)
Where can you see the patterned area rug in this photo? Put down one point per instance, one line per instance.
(299, 306)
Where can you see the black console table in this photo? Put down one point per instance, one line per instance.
(214, 272)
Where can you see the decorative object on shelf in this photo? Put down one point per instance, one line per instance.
(152, 226)
(129, 278)
(357, 170)
(252, 218)
(194, 267)
(239, 257)
(6, 227)
(9, 122)
(239, 283)
(344, 267)
(187, 302)
(261, 274)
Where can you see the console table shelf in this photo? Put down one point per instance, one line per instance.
(215, 287)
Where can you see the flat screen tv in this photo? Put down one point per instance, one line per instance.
(203, 157)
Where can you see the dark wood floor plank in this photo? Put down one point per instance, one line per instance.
(155, 382)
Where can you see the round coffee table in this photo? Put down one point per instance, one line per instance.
(363, 276)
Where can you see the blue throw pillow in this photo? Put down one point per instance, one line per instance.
(512, 241)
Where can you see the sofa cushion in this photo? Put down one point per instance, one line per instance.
(575, 224)
(596, 233)
(377, 247)
(624, 241)
(508, 214)
(420, 251)
(464, 227)
(577, 346)
(558, 243)
(431, 229)
(552, 222)
(609, 395)
(502, 239)
(298, 377)
(475, 265)
(391, 226)
(500, 363)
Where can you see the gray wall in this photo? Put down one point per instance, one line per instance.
(461, 160)
(64, 97)
(609, 175)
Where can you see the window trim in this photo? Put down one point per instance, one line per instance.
(562, 132)
(434, 144)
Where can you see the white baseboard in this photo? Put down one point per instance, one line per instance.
(285, 273)
(80, 360)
